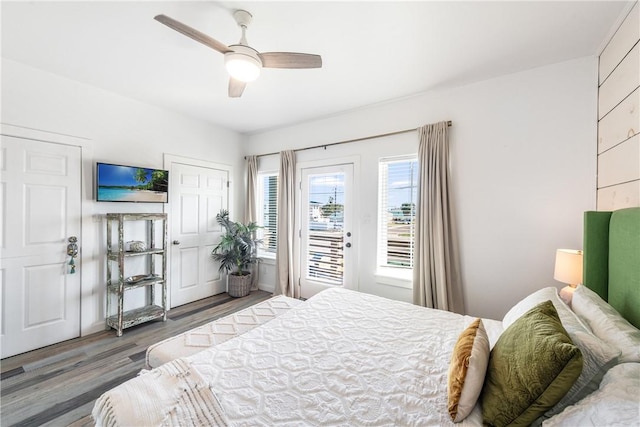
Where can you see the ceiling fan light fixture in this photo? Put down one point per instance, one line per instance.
(243, 63)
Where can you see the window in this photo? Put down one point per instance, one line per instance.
(267, 212)
(398, 183)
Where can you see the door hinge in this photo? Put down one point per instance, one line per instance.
(300, 185)
(228, 184)
(300, 233)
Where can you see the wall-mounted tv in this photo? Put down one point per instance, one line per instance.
(120, 183)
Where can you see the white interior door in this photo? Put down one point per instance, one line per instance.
(40, 196)
(197, 195)
(326, 232)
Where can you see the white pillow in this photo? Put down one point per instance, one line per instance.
(615, 403)
(545, 294)
(597, 355)
(607, 324)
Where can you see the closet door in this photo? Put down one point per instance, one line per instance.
(197, 195)
(40, 199)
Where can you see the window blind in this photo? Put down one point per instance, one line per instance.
(268, 215)
(398, 182)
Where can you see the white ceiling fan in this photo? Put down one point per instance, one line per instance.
(242, 62)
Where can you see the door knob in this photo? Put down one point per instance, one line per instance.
(176, 242)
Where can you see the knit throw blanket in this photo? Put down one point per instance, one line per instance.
(172, 395)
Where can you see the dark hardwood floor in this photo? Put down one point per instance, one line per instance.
(58, 385)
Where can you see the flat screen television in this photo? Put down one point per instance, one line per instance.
(120, 183)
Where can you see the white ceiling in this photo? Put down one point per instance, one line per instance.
(372, 51)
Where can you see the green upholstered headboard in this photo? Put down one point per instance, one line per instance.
(611, 266)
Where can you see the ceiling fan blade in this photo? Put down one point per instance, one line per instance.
(290, 60)
(193, 33)
(236, 87)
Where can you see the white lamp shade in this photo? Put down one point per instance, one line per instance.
(568, 266)
(243, 64)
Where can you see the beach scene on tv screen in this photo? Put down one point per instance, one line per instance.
(132, 184)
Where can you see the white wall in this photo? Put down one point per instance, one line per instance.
(119, 130)
(523, 166)
(523, 171)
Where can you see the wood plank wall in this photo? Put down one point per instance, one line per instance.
(619, 118)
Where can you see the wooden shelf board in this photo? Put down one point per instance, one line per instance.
(137, 316)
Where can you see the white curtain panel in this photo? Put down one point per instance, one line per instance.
(436, 270)
(285, 283)
(250, 211)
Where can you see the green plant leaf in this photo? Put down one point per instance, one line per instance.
(237, 246)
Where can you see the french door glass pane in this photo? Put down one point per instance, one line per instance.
(326, 225)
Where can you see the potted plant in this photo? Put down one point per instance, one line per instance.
(235, 252)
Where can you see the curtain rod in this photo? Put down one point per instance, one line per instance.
(348, 141)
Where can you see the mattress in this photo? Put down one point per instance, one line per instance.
(340, 358)
(218, 331)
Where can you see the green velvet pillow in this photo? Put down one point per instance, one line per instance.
(532, 366)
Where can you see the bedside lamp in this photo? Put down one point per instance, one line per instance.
(568, 270)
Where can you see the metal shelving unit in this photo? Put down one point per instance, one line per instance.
(118, 284)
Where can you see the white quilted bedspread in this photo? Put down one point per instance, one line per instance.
(343, 358)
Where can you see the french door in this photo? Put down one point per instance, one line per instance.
(197, 195)
(41, 200)
(327, 236)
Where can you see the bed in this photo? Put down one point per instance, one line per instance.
(347, 358)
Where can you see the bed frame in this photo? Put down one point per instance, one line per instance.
(611, 257)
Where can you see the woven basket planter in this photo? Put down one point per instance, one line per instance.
(239, 286)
